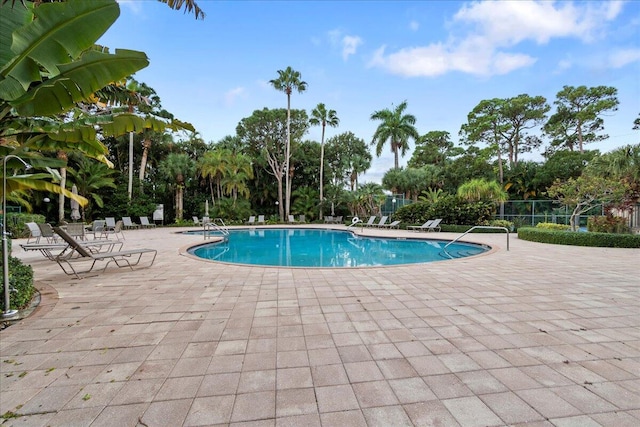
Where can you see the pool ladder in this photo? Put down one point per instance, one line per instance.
(479, 226)
(217, 225)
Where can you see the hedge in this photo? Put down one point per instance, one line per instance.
(604, 240)
(20, 284)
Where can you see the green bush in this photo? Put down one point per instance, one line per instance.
(605, 240)
(452, 210)
(608, 224)
(553, 226)
(16, 223)
(20, 284)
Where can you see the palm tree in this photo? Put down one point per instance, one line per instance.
(287, 81)
(238, 170)
(320, 116)
(213, 166)
(395, 127)
(90, 177)
(480, 189)
(177, 167)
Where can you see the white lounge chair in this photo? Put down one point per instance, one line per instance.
(394, 224)
(424, 226)
(252, 220)
(77, 253)
(382, 222)
(292, 220)
(261, 219)
(328, 219)
(34, 232)
(435, 225)
(110, 223)
(370, 223)
(303, 219)
(144, 222)
(128, 224)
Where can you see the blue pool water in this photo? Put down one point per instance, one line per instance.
(327, 248)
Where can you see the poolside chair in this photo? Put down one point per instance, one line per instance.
(96, 228)
(435, 225)
(251, 220)
(128, 224)
(77, 253)
(338, 220)
(303, 219)
(144, 223)
(424, 226)
(383, 221)
(261, 219)
(110, 223)
(370, 223)
(116, 231)
(394, 224)
(52, 250)
(196, 220)
(34, 232)
(328, 219)
(47, 232)
(292, 220)
(76, 230)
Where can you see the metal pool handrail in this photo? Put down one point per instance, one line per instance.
(479, 226)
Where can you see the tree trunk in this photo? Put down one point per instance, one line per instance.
(61, 199)
(280, 206)
(321, 170)
(396, 163)
(146, 144)
(288, 157)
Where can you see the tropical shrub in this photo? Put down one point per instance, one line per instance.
(608, 224)
(20, 284)
(230, 210)
(452, 210)
(606, 240)
(16, 223)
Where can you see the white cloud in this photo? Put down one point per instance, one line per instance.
(414, 25)
(485, 35)
(350, 45)
(347, 43)
(622, 57)
(231, 95)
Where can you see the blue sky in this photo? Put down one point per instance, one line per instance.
(443, 57)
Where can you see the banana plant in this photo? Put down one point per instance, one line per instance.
(48, 63)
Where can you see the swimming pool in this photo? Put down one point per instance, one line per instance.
(301, 247)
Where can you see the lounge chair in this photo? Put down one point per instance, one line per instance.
(382, 222)
(394, 224)
(292, 220)
(424, 226)
(116, 231)
(144, 223)
(370, 223)
(110, 223)
(251, 220)
(328, 219)
(77, 253)
(303, 219)
(52, 250)
(128, 224)
(431, 225)
(261, 219)
(435, 225)
(47, 232)
(34, 232)
(338, 220)
(196, 220)
(76, 230)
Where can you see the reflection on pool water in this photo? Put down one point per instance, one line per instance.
(327, 248)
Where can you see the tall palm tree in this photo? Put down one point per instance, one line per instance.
(287, 81)
(213, 166)
(395, 127)
(239, 171)
(177, 167)
(321, 116)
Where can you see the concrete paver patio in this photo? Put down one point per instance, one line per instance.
(539, 335)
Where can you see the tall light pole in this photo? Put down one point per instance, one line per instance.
(5, 251)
